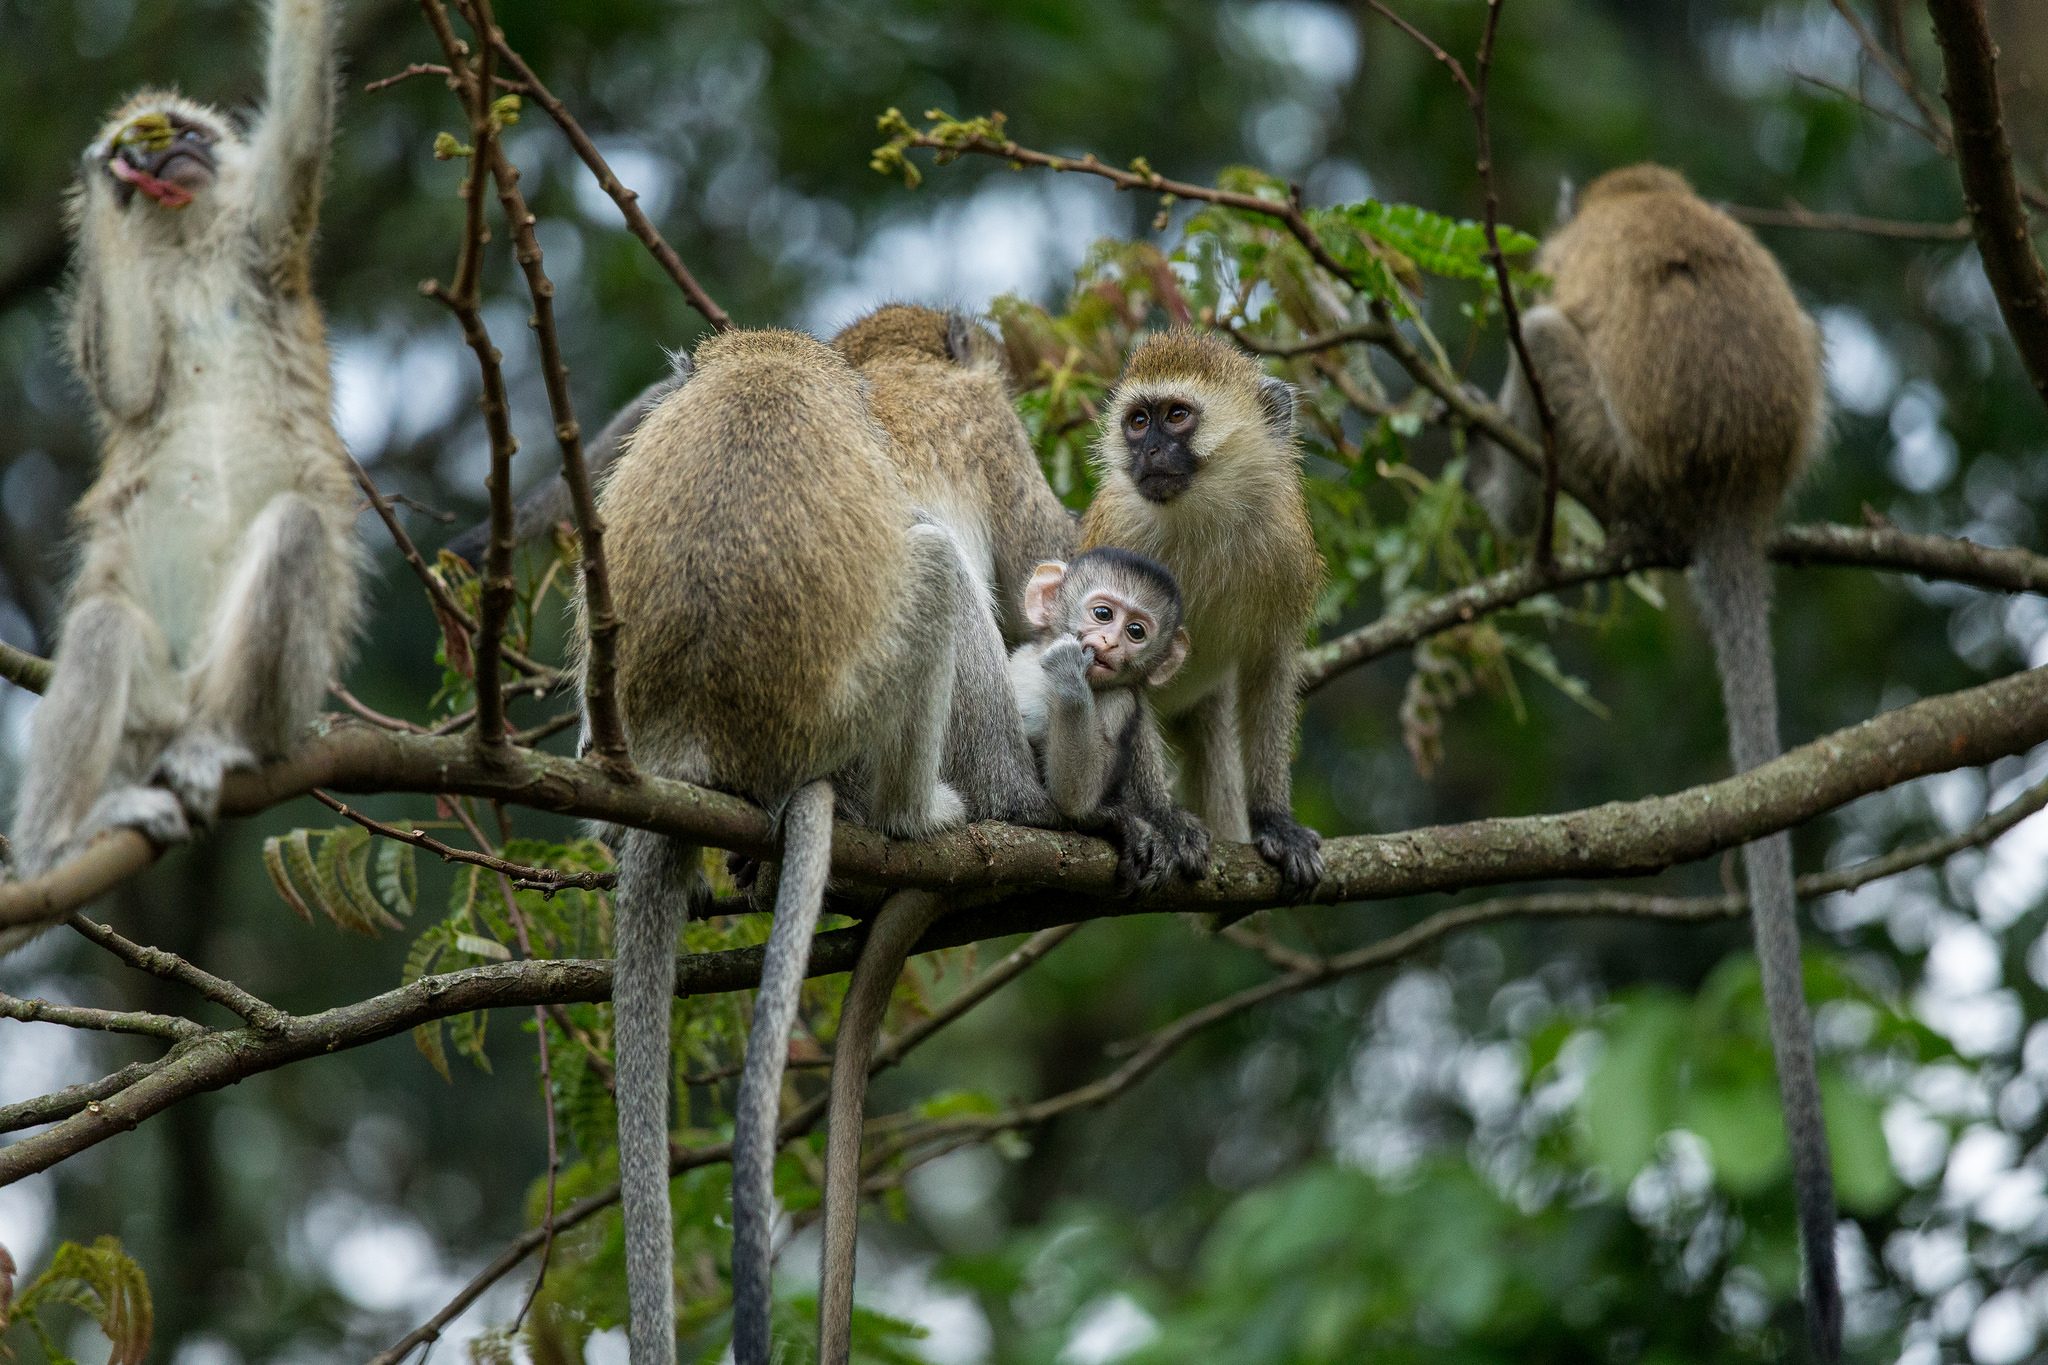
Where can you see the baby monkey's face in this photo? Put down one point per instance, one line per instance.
(1117, 631)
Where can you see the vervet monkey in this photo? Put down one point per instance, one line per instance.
(936, 384)
(217, 591)
(1687, 386)
(1109, 627)
(1197, 468)
(793, 627)
(1110, 630)
(549, 504)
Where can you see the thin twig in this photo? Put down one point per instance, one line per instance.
(600, 696)
(1287, 350)
(1475, 96)
(349, 699)
(435, 69)
(462, 299)
(627, 200)
(1936, 129)
(1796, 216)
(445, 606)
(257, 1013)
(62, 1104)
(165, 1026)
(530, 878)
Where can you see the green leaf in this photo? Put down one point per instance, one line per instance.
(1744, 1129)
(397, 880)
(105, 1284)
(273, 863)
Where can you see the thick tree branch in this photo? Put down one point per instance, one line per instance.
(1990, 193)
(1067, 878)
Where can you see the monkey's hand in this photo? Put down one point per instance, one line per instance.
(1290, 846)
(1141, 861)
(192, 769)
(1065, 662)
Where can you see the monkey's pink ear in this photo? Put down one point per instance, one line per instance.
(1042, 592)
(1176, 655)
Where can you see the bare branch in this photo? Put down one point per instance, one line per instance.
(1990, 193)
(627, 200)
(375, 717)
(1934, 127)
(600, 697)
(1794, 216)
(1475, 96)
(259, 1014)
(23, 669)
(533, 878)
(62, 1104)
(463, 300)
(164, 1026)
(434, 69)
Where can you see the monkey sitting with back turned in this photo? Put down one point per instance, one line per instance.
(217, 593)
(1686, 383)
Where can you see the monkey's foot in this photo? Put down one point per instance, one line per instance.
(1186, 841)
(1291, 847)
(1141, 861)
(154, 813)
(192, 769)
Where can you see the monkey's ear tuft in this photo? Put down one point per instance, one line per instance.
(1169, 663)
(680, 365)
(968, 342)
(1567, 200)
(1042, 593)
(1277, 398)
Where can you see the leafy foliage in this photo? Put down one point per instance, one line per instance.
(100, 1281)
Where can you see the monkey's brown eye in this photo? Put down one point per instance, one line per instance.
(1100, 612)
(1136, 630)
(1137, 420)
(1179, 415)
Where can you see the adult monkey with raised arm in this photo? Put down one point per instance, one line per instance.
(795, 627)
(1198, 470)
(217, 591)
(1688, 389)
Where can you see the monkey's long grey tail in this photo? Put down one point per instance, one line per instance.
(806, 863)
(897, 928)
(656, 878)
(1732, 583)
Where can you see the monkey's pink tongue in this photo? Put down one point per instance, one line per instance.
(163, 191)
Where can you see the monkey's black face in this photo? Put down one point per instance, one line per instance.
(1159, 434)
(165, 155)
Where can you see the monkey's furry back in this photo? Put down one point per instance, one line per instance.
(770, 445)
(1659, 281)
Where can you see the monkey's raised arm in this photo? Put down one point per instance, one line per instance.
(549, 502)
(291, 138)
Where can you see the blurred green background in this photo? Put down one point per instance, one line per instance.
(1543, 1142)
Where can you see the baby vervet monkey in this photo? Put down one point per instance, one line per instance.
(1109, 628)
(1198, 469)
(217, 594)
(1687, 384)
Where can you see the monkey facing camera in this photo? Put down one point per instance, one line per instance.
(1110, 634)
(217, 592)
(1686, 386)
(1198, 469)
